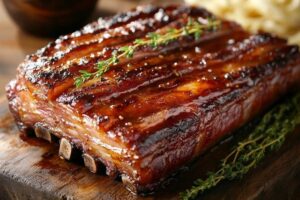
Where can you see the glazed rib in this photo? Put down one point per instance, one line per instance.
(151, 114)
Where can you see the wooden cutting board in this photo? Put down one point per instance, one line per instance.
(31, 169)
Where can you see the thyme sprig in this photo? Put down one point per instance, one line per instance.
(153, 39)
(267, 136)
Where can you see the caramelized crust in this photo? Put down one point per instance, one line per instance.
(151, 114)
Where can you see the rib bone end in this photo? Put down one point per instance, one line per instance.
(43, 133)
(90, 163)
(65, 149)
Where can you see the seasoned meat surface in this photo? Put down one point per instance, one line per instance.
(151, 114)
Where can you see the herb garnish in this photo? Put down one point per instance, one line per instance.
(267, 136)
(193, 27)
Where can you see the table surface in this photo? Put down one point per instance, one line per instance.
(16, 44)
(31, 169)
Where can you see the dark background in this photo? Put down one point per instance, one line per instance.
(16, 44)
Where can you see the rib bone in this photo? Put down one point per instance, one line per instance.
(43, 133)
(90, 163)
(65, 149)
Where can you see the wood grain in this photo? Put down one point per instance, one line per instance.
(30, 168)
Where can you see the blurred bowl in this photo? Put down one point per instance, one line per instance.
(50, 17)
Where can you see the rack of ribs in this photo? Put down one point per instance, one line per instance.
(151, 114)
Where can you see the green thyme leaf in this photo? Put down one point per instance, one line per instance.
(153, 39)
(267, 136)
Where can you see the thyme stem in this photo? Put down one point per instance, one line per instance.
(153, 39)
(268, 135)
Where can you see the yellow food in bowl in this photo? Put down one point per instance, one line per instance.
(281, 17)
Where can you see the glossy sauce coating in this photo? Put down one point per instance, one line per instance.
(158, 107)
